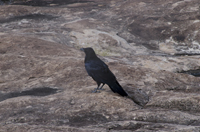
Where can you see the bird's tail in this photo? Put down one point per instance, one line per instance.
(116, 88)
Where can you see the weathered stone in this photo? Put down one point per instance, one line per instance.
(152, 47)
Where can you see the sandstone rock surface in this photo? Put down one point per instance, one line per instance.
(152, 47)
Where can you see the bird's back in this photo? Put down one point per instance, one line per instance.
(99, 71)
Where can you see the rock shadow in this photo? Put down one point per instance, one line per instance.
(28, 16)
(7, 2)
(43, 91)
(48, 3)
(185, 53)
(195, 73)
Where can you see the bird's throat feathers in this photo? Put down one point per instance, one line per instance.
(90, 57)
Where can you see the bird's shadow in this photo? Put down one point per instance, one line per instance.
(139, 96)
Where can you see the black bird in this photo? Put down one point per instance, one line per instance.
(100, 72)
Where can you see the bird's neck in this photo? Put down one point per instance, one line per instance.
(90, 57)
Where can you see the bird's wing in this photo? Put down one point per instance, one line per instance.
(99, 71)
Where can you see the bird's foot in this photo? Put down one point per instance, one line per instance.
(95, 91)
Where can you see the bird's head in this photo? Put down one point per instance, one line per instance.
(89, 52)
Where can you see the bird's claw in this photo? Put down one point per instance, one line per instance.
(95, 91)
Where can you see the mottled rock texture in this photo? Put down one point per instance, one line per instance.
(152, 47)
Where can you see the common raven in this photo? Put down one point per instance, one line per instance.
(100, 72)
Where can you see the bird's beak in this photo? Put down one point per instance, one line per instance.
(82, 49)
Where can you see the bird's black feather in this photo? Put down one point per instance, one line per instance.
(100, 72)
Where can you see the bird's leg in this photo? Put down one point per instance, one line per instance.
(95, 90)
(102, 86)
